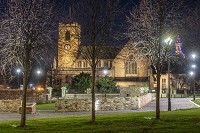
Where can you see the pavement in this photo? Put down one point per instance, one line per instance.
(176, 103)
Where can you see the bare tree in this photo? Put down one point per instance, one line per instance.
(148, 25)
(97, 21)
(26, 35)
(181, 80)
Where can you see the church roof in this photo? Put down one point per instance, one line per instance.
(103, 52)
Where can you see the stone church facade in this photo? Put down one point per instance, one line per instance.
(123, 66)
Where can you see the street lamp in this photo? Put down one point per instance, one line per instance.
(193, 67)
(18, 71)
(105, 72)
(193, 56)
(192, 74)
(169, 41)
(31, 85)
(38, 74)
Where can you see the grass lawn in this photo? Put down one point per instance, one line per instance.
(48, 106)
(197, 101)
(181, 121)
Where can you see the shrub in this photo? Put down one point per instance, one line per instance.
(81, 82)
(106, 84)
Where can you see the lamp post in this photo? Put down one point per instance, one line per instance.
(38, 74)
(169, 41)
(192, 74)
(193, 67)
(18, 71)
(105, 72)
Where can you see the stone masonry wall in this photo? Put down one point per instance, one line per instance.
(131, 91)
(73, 105)
(88, 96)
(145, 99)
(9, 105)
(104, 104)
(117, 103)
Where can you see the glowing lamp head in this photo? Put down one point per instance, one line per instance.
(40, 89)
(105, 72)
(193, 56)
(38, 72)
(168, 40)
(191, 73)
(193, 66)
(18, 70)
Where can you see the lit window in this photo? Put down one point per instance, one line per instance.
(164, 84)
(105, 63)
(79, 64)
(131, 66)
(109, 64)
(85, 64)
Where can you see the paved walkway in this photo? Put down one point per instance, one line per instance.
(177, 103)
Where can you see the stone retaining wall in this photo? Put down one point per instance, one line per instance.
(32, 95)
(103, 104)
(73, 105)
(143, 100)
(87, 96)
(118, 103)
(9, 105)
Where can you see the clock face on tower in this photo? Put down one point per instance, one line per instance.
(67, 44)
(67, 47)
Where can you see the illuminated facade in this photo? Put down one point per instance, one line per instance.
(178, 84)
(122, 66)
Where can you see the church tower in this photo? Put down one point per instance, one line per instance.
(68, 42)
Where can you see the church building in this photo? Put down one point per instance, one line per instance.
(122, 65)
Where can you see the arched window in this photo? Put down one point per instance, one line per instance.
(85, 64)
(79, 64)
(67, 36)
(130, 65)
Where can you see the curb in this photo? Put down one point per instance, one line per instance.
(195, 103)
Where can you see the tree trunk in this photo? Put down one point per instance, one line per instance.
(158, 65)
(23, 109)
(93, 92)
(158, 94)
(26, 65)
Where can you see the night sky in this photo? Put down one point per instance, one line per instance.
(126, 5)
